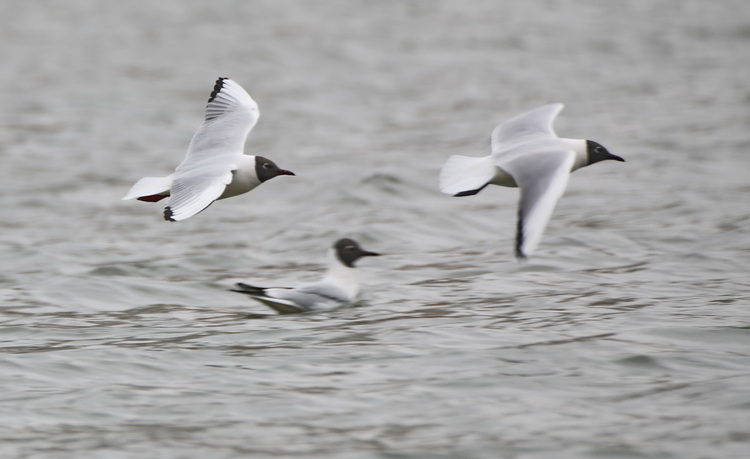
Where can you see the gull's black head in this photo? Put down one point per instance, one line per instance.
(348, 251)
(596, 152)
(266, 169)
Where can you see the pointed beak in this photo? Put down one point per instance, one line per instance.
(286, 172)
(616, 158)
(370, 254)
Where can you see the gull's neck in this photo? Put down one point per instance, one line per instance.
(581, 151)
(244, 178)
(341, 276)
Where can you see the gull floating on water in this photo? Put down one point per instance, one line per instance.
(525, 153)
(338, 287)
(215, 166)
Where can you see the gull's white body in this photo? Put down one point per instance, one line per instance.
(339, 287)
(525, 153)
(215, 166)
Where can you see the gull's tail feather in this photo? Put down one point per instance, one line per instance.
(150, 189)
(465, 176)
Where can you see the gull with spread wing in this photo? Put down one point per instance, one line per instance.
(215, 166)
(525, 153)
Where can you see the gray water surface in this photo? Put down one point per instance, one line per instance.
(626, 336)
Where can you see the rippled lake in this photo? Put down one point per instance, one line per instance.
(627, 335)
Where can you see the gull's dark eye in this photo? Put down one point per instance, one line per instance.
(266, 165)
(350, 247)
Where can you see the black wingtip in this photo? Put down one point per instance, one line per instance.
(248, 289)
(519, 252)
(217, 88)
(519, 236)
(465, 193)
(168, 214)
(470, 192)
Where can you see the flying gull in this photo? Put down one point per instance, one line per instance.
(525, 153)
(215, 166)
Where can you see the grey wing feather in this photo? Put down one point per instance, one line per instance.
(280, 306)
(537, 122)
(318, 295)
(192, 194)
(304, 298)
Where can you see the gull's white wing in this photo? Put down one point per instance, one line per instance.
(280, 305)
(542, 176)
(536, 123)
(293, 300)
(316, 295)
(261, 294)
(214, 151)
(302, 299)
(230, 115)
(192, 193)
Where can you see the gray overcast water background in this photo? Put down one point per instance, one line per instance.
(626, 336)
